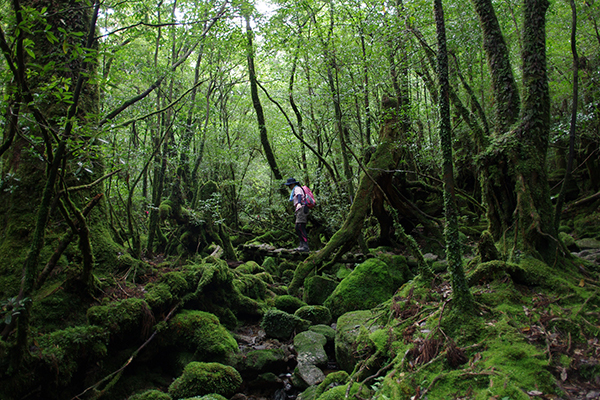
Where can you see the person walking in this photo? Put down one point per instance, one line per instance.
(297, 197)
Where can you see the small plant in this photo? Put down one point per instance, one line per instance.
(11, 308)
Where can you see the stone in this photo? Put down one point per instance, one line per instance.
(310, 347)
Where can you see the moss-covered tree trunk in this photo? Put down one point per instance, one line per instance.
(461, 294)
(262, 127)
(530, 139)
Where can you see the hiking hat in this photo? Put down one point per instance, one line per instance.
(291, 181)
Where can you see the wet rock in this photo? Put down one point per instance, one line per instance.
(280, 325)
(310, 374)
(310, 347)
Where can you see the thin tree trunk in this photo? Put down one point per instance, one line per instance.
(262, 128)
(461, 295)
(563, 190)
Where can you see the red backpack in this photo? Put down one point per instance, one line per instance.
(309, 198)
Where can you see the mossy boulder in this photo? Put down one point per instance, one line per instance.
(200, 379)
(280, 325)
(315, 314)
(317, 288)
(151, 394)
(201, 334)
(158, 295)
(288, 303)
(348, 330)
(258, 362)
(124, 318)
(370, 284)
(324, 330)
(311, 348)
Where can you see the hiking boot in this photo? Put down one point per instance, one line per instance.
(304, 246)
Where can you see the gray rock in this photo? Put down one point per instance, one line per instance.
(310, 374)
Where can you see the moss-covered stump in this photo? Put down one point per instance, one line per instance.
(126, 320)
(317, 288)
(349, 327)
(288, 303)
(200, 379)
(201, 334)
(317, 315)
(370, 284)
(280, 325)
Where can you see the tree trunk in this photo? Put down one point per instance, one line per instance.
(503, 82)
(262, 128)
(461, 296)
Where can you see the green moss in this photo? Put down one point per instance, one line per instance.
(339, 392)
(151, 394)
(333, 379)
(315, 314)
(324, 330)
(370, 284)
(270, 265)
(587, 226)
(280, 325)
(65, 351)
(120, 317)
(158, 295)
(317, 288)
(199, 379)
(202, 334)
(250, 286)
(288, 303)
(286, 266)
(250, 267)
(260, 360)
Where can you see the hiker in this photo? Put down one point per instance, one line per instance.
(301, 212)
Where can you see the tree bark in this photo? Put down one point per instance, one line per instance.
(460, 291)
(262, 128)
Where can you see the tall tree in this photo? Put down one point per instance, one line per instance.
(461, 294)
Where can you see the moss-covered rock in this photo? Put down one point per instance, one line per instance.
(200, 379)
(334, 379)
(158, 295)
(324, 330)
(122, 318)
(151, 394)
(288, 303)
(315, 314)
(201, 334)
(258, 362)
(371, 283)
(349, 327)
(280, 325)
(311, 348)
(317, 288)
(339, 392)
